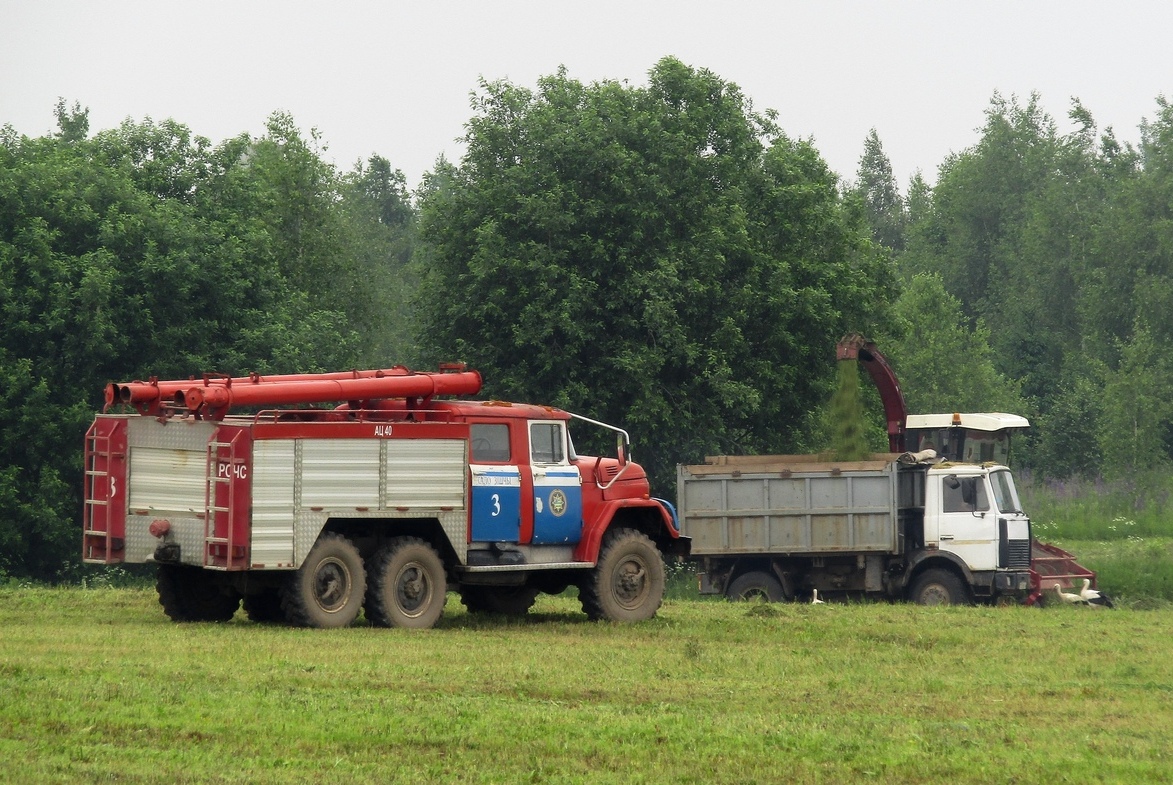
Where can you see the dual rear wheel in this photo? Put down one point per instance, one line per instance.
(406, 586)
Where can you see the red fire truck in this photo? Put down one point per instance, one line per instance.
(382, 503)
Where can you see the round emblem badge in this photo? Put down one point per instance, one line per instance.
(557, 502)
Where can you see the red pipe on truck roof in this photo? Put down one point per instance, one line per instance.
(216, 399)
(148, 396)
(213, 397)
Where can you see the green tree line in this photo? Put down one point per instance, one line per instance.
(146, 251)
(664, 257)
(1055, 251)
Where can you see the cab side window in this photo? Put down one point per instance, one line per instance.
(489, 442)
(546, 442)
(954, 499)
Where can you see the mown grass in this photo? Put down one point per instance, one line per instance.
(98, 686)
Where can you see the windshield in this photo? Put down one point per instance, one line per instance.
(1004, 493)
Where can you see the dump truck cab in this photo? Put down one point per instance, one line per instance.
(972, 512)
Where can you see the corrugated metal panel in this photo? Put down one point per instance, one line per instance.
(340, 474)
(425, 473)
(750, 512)
(188, 532)
(164, 479)
(273, 499)
(173, 434)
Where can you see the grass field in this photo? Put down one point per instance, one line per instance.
(98, 686)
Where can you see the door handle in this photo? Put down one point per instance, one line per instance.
(946, 536)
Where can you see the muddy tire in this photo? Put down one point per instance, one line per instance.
(755, 586)
(503, 600)
(192, 594)
(408, 585)
(627, 583)
(328, 589)
(264, 607)
(939, 587)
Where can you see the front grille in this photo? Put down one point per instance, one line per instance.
(1019, 555)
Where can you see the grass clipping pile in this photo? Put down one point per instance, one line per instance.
(848, 440)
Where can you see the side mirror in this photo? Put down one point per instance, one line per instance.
(621, 449)
(969, 491)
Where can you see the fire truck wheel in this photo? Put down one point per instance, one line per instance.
(627, 583)
(408, 585)
(264, 606)
(505, 600)
(327, 591)
(755, 586)
(939, 587)
(191, 594)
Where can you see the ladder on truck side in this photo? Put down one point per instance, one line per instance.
(103, 535)
(221, 550)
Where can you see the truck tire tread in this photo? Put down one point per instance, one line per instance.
(939, 586)
(264, 607)
(408, 585)
(627, 583)
(327, 590)
(189, 594)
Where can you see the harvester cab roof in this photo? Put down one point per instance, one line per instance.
(965, 437)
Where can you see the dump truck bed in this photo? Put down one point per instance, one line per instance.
(788, 504)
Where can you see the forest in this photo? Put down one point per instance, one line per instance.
(660, 256)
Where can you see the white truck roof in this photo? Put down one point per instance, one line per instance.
(980, 421)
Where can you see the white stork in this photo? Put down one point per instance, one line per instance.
(1067, 597)
(1094, 598)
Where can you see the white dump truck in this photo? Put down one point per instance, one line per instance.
(901, 526)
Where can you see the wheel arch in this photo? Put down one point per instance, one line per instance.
(371, 534)
(770, 564)
(776, 589)
(648, 516)
(941, 560)
(748, 564)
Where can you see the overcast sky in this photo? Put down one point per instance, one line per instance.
(394, 78)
